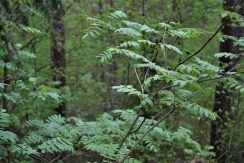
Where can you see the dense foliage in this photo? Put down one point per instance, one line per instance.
(119, 81)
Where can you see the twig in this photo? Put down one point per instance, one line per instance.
(68, 7)
(164, 52)
(222, 155)
(28, 43)
(56, 158)
(153, 56)
(139, 126)
(198, 51)
(142, 89)
(157, 114)
(203, 80)
(66, 157)
(145, 134)
(129, 131)
(205, 44)
(225, 75)
(159, 89)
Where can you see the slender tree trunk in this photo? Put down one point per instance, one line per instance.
(223, 94)
(133, 4)
(143, 9)
(111, 4)
(58, 62)
(100, 7)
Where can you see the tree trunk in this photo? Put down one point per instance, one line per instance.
(111, 4)
(223, 94)
(58, 62)
(100, 7)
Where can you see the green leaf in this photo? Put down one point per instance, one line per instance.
(226, 55)
(197, 110)
(7, 137)
(128, 31)
(54, 95)
(171, 47)
(118, 15)
(127, 89)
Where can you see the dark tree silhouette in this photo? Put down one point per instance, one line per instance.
(57, 35)
(223, 94)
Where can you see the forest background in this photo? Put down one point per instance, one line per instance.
(121, 81)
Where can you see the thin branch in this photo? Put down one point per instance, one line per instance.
(222, 155)
(226, 75)
(203, 80)
(29, 42)
(144, 119)
(153, 56)
(157, 114)
(206, 43)
(145, 134)
(66, 157)
(164, 51)
(198, 51)
(142, 89)
(159, 89)
(56, 158)
(129, 131)
(68, 7)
